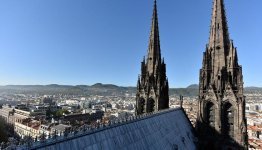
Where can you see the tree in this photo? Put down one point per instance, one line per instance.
(59, 113)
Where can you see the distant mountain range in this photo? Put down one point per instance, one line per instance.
(193, 86)
(96, 89)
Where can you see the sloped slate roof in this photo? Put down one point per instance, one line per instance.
(162, 131)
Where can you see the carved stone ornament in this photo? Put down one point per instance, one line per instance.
(210, 93)
(229, 94)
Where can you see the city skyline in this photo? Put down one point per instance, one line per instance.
(71, 43)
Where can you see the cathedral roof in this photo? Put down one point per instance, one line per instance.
(168, 129)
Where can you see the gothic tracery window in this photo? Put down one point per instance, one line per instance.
(141, 105)
(150, 105)
(228, 120)
(210, 114)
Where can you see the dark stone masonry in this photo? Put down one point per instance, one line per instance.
(221, 122)
(152, 85)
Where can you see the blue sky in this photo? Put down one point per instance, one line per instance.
(89, 41)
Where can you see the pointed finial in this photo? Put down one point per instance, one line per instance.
(181, 101)
(155, 5)
(138, 79)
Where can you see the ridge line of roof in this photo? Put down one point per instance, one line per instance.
(96, 130)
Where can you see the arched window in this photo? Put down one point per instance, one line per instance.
(228, 120)
(141, 105)
(210, 114)
(230, 77)
(150, 105)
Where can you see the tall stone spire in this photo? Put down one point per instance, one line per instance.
(152, 86)
(218, 30)
(219, 38)
(154, 54)
(221, 118)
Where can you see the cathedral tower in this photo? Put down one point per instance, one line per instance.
(221, 122)
(152, 84)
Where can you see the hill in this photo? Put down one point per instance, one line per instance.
(97, 89)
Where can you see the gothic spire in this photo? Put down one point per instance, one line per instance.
(221, 89)
(152, 87)
(219, 37)
(154, 55)
(219, 42)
